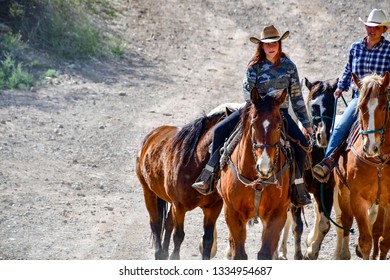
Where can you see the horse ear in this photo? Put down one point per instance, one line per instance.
(308, 84)
(228, 111)
(281, 97)
(356, 80)
(255, 95)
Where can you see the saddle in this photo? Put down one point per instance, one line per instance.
(353, 135)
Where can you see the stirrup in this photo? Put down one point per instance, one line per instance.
(302, 196)
(204, 183)
(325, 169)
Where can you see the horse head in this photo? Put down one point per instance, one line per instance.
(373, 105)
(320, 104)
(266, 123)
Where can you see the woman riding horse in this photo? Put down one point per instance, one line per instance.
(269, 70)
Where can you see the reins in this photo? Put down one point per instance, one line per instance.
(327, 214)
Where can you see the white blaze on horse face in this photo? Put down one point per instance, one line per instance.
(266, 124)
(264, 162)
(371, 105)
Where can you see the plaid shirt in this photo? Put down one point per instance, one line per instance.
(363, 61)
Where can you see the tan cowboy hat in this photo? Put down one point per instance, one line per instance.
(377, 17)
(269, 35)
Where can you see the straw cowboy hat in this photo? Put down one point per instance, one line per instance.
(269, 35)
(377, 17)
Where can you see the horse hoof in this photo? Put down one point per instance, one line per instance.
(358, 253)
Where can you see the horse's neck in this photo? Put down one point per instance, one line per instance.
(243, 155)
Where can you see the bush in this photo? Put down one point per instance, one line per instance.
(13, 76)
(64, 27)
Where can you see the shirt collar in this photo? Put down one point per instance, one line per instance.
(378, 45)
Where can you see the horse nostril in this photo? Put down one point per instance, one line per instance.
(364, 148)
(376, 149)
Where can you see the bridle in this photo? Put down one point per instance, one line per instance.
(383, 160)
(256, 146)
(381, 131)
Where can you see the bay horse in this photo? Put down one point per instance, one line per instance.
(168, 162)
(320, 105)
(255, 182)
(364, 194)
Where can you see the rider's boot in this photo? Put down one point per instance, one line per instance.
(301, 196)
(205, 184)
(322, 170)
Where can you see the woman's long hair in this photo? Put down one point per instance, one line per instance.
(260, 55)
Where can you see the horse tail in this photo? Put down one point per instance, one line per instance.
(191, 133)
(162, 207)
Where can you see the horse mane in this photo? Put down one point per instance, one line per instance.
(319, 87)
(370, 87)
(243, 117)
(261, 106)
(190, 134)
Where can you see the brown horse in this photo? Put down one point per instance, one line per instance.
(257, 178)
(367, 172)
(168, 162)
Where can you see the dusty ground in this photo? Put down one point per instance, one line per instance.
(67, 184)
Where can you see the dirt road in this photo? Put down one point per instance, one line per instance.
(67, 184)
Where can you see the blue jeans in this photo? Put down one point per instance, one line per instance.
(293, 130)
(341, 130)
(223, 130)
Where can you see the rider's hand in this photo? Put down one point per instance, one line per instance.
(309, 131)
(338, 93)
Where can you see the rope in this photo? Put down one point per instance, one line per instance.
(327, 214)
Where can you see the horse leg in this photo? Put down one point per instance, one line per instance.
(321, 224)
(237, 235)
(178, 234)
(209, 243)
(383, 226)
(281, 253)
(344, 217)
(273, 223)
(377, 231)
(156, 208)
(297, 230)
(365, 238)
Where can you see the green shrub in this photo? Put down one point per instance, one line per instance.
(12, 42)
(51, 73)
(65, 27)
(13, 76)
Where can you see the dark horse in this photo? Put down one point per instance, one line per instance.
(364, 194)
(256, 181)
(320, 105)
(168, 162)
